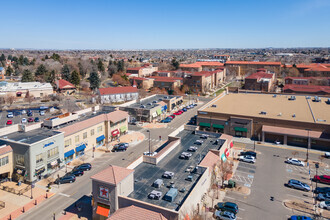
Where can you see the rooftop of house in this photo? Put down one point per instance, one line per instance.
(118, 90)
(306, 88)
(30, 137)
(260, 75)
(63, 84)
(277, 107)
(253, 63)
(5, 149)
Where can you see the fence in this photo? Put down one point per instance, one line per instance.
(18, 192)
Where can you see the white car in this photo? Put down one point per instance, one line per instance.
(247, 158)
(295, 161)
(23, 112)
(24, 120)
(325, 205)
(10, 115)
(42, 113)
(327, 154)
(225, 215)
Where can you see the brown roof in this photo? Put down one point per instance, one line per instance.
(226, 136)
(63, 84)
(5, 149)
(254, 63)
(117, 90)
(209, 160)
(116, 116)
(112, 174)
(291, 131)
(136, 213)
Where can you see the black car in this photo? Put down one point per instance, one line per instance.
(36, 119)
(249, 153)
(83, 167)
(120, 147)
(29, 113)
(75, 173)
(65, 179)
(227, 206)
(321, 190)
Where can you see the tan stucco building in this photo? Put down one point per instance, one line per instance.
(6, 162)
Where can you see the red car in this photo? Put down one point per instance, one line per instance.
(181, 111)
(9, 122)
(30, 120)
(177, 113)
(171, 116)
(322, 179)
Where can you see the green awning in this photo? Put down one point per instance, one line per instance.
(159, 111)
(123, 128)
(218, 126)
(204, 124)
(240, 129)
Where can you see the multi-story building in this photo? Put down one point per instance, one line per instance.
(36, 153)
(20, 89)
(200, 66)
(118, 94)
(6, 161)
(143, 71)
(168, 83)
(316, 81)
(142, 83)
(313, 69)
(260, 81)
(242, 68)
(306, 89)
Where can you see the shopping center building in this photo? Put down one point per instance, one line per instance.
(293, 120)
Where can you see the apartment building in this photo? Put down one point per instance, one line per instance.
(143, 71)
(6, 161)
(200, 66)
(313, 69)
(242, 68)
(259, 81)
(141, 82)
(317, 81)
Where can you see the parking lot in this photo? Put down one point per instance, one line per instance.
(267, 178)
(18, 116)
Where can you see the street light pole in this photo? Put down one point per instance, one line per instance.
(149, 143)
(308, 144)
(315, 206)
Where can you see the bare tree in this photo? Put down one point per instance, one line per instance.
(225, 168)
(142, 93)
(11, 99)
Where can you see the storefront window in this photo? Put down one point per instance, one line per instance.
(76, 139)
(52, 152)
(39, 158)
(92, 132)
(84, 135)
(19, 159)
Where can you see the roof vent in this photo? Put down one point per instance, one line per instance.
(274, 96)
(213, 106)
(292, 97)
(316, 99)
(322, 120)
(263, 113)
(294, 115)
(308, 97)
(280, 114)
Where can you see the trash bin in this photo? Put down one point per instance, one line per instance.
(231, 184)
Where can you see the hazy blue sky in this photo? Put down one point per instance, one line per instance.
(133, 24)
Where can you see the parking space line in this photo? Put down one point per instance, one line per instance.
(301, 198)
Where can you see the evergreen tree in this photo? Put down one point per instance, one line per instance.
(100, 66)
(41, 70)
(120, 66)
(9, 71)
(66, 73)
(175, 64)
(94, 80)
(26, 61)
(2, 57)
(20, 60)
(10, 57)
(75, 79)
(56, 57)
(27, 76)
(33, 62)
(46, 57)
(15, 59)
(51, 77)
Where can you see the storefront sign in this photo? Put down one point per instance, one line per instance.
(115, 132)
(104, 192)
(50, 143)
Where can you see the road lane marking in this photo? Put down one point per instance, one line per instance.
(66, 195)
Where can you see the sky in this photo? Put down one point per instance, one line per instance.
(166, 24)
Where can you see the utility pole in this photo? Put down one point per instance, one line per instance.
(149, 143)
(308, 144)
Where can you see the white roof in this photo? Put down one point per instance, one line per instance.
(13, 87)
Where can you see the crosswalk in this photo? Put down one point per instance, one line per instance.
(292, 168)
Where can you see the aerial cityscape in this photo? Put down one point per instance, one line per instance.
(174, 110)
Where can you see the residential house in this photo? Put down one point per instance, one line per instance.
(65, 87)
(143, 71)
(118, 94)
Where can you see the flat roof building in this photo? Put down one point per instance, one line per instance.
(246, 115)
(19, 89)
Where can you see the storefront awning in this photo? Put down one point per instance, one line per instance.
(231, 144)
(165, 107)
(98, 139)
(159, 111)
(40, 171)
(80, 148)
(240, 129)
(218, 126)
(123, 129)
(102, 211)
(223, 157)
(115, 132)
(69, 153)
(204, 124)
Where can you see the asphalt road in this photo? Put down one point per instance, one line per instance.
(69, 193)
(267, 178)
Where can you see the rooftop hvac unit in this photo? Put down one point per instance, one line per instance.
(292, 97)
(294, 115)
(263, 113)
(280, 114)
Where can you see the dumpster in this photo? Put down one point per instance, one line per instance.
(231, 184)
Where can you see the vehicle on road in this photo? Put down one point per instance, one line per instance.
(168, 175)
(322, 179)
(120, 147)
(321, 190)
(30, 120)
(299, 217)
(325, 205)
(9, 122)
(166, 120)
(250, 153)
(227, 206)
(323, 196)
(327, 154)
(36, 119)
(10, 115)
(24, 120)
(192, 148)
(295, 161)
(75, 173)
(83, 167)
(65, 179)
(29, 113)
(199, 142)
(185, 155)
(224, 215)
(247, 159)
(296, 184)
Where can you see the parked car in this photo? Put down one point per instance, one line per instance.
(166, 120)
(204, 136)
(184, 109)
(23, 112)
(250, 153)
(199, 142)
(168, 175)
(10, 115)
(296, 184)
(327, 155)
(190, 169)
(189, 178)
(321, 190)
(295, 161)
(83, 167)
(325, 205)
(75, 173)
(177, 113)
(36, 119)
(247, 158)
(42, 113)
(323, 196)
(9, 122)
(24, 120)
(185, 155)
(225, 215)
(120, 147)
(192, 148)
(29, 113)
(322, 179)
(172, 116)
(227, 206)
(30, 120)
(299, 217)
(65, 179)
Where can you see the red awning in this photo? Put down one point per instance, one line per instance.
(102, 211)
(231, 144)
(115, 132)
(227, 153)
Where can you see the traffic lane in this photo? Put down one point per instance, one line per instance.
(18, 118)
